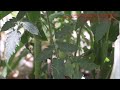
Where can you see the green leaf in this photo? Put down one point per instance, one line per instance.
(101, 29)
(4, 13)
(66, 47)
(25, 37)
(77, 74)
(114, 31)
(69, 70)
(58, 69)
(30, 27)
(104, 50)
(20, 15)
(86, 64)
(9, 24)
(56, 15)
(65, 31)
(33, 16)
(68, 13)
(41, 34)
(46, 53)
(105, 69)
(62, 55)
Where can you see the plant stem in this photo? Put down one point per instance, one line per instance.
(37, 63)
(6, 67)
(50, 29)
(78, 39)
(109, 72)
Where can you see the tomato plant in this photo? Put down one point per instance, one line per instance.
(58, 44)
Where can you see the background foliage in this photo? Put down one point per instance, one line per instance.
(62, 46)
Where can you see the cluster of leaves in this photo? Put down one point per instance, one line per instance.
(58, 30)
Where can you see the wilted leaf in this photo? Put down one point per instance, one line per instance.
(13, 39)
(30, 28)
